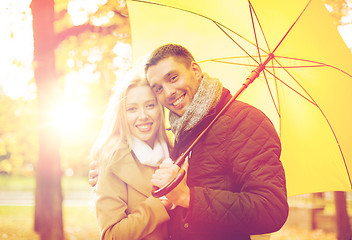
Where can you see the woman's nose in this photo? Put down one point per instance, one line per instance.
(142, 114)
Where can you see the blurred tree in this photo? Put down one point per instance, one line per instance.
(18, 138)
(82, 46)
(7, 117)
(342, 219)
(48, 197)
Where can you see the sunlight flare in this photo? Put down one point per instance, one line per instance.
(70, 118)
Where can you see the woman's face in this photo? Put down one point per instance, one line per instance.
(143, 114)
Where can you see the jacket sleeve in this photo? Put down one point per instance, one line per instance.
(113, 218)
(259, 203)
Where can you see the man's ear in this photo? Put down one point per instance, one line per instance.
(197, 71)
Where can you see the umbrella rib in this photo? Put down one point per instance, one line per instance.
(314, 63)
(319, 64)
(260, 26)
(218, 60)
(294, 23)
(311, 100)
(259, 56)
(254, 31)
(338, 144)
(233, 40)
(221, 27)
(271, 94)
(276, 77)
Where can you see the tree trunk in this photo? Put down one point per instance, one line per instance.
(48, 206)
(342, 219)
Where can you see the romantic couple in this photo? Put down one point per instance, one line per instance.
(235, 185)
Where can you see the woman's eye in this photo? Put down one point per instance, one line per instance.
(158, 90)
(150, 106)
(131, 109)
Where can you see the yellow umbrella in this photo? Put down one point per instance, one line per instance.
(304, 88)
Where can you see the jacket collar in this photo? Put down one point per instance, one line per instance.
(131, 171)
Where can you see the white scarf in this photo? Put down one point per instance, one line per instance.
(148, 156)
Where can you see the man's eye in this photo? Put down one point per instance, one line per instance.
(174, 78)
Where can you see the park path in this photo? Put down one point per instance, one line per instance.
(21, 198)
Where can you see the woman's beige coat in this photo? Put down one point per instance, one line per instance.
(125, 208)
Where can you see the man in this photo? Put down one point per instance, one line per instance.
(235, 181)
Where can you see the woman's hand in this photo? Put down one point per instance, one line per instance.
(93, 173)
(167, 171)
(167, 203)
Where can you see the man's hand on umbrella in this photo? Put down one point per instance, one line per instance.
(93, 173)
(180, 195)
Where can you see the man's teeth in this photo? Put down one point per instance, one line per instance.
(178, 101)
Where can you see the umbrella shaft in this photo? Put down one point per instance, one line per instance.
(255, 73)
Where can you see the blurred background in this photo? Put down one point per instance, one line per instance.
(55, 80)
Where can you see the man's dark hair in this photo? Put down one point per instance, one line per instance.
(179, 52)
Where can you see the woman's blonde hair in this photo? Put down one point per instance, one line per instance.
(115, 130)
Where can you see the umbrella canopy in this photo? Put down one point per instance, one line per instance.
(305, 89)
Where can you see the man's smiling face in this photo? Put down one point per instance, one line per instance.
(174, 84)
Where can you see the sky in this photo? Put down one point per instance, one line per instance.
(346, 31)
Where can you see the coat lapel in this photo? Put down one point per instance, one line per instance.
(133, 173)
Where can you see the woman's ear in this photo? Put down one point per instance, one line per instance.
(197, 71)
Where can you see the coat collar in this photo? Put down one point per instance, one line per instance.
(133, 173)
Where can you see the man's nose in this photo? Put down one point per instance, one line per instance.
(169, 90)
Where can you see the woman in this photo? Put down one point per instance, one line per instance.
(130, 147)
